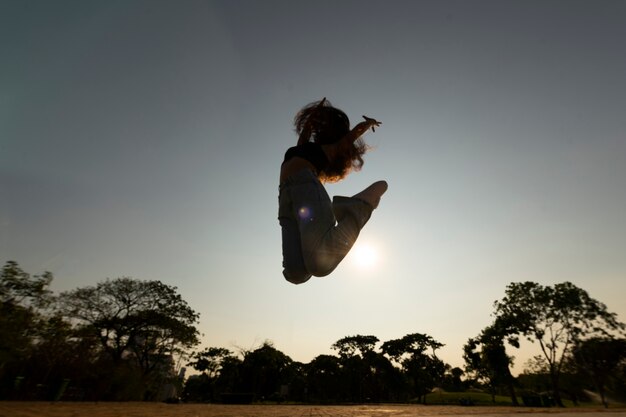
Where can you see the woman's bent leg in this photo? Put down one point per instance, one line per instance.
(325, 231)
(325, 238)
(329, 249)
(294, 269)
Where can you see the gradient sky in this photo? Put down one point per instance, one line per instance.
(144, 139)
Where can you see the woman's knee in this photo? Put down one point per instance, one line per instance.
(321, 264)
(296, 276)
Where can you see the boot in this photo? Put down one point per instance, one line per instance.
(371, 195)
(354, 207)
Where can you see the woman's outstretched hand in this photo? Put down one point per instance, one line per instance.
(373, 123)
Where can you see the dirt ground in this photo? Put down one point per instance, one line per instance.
(43, 409)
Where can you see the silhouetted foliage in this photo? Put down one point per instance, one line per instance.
(119, 340)
(210, 360)
(423, 371)
(219, 374)
(452, 380)
(22, 323)
(351, 346)
(556, 317)
(21, 298)
(86, 345)
(491, 363)
(600, 360)
(324, 374)
(264, 370)
(359, 374)
(143, 322)
(356, 357)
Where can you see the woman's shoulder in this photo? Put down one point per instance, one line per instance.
(307, 148)
(310, 151)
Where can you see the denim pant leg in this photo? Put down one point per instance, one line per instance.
(294, 269)
(323, 242)
(330, 242)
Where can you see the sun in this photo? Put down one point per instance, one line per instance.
(364, 255)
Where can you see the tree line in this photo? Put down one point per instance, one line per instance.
(126, 339)
(118, 340)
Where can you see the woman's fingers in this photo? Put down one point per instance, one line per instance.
(373, 123)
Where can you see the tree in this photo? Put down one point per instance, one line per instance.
(19, 288)
(358, 366)
(556, 317)
(264, 370)
(350, 346)
(598, 359)
(210, 362)
(323, 375)
(229, 376)
(22, 298)
(491, 363)
(424, 371)
(452, 380)
(145, 321)
(39, 353)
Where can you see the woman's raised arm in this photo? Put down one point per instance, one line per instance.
(358, 130)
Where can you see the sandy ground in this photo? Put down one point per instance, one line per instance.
(43, 409)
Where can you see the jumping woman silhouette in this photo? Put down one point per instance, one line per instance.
(317, 233)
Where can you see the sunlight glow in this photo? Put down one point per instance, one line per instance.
(364, 255)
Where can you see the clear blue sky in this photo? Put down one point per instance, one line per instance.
(144, 138)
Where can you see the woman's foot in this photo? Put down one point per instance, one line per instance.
(371, 195)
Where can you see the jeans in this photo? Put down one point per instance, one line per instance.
(316, 233)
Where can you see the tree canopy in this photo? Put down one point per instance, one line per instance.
(21, 295)
(491, 363)
(556, 317)
(124, 339)
(144, 319)
(350, 346)
(598, 359)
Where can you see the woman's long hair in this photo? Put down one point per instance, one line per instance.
(324, 124)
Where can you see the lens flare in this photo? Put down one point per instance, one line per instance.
(304, 213)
